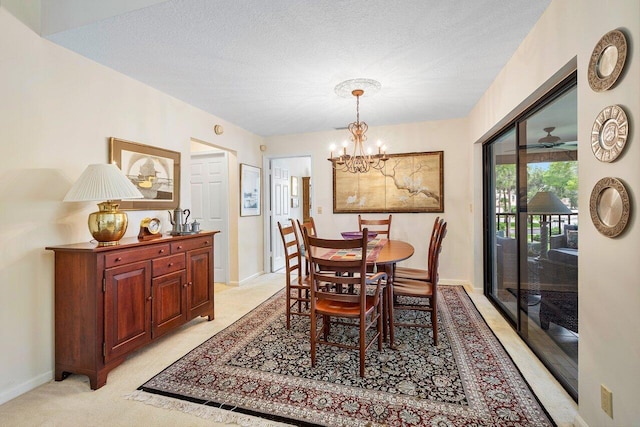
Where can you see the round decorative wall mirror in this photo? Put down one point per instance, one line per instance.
(607, 61)
(609, 206)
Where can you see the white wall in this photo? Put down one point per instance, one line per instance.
(57, 111)
(450, 136)
(609, 349)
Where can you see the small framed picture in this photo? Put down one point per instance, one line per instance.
(250, 190)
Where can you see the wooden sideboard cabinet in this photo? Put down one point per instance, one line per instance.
(110, 301)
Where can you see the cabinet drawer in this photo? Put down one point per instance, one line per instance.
(190, 244)
(133, 255)
(168, 264)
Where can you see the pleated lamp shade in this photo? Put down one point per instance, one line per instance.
(545, 202)
(102, 182)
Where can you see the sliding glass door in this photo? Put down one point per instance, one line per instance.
(531, 229)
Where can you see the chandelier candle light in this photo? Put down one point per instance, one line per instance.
(361, 161)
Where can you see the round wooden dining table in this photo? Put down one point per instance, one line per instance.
(391, 253)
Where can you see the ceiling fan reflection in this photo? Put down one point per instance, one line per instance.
(549, 142)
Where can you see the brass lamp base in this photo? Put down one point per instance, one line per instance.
(108, 225)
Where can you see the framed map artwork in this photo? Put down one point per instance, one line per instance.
(410, 182)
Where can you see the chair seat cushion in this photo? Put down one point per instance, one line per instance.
(341, 308)
(411, 273)
(416, 288)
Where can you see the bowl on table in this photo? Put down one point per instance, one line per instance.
(349, 235)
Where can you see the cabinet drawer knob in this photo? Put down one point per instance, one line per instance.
(118, 259)
(185, 285)
(170, 264)
(206, 243)
(149, 298)
(161, 251)
(179, 247)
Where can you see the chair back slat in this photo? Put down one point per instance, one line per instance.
(380, 226)
(309, 225)
(292, 255)
(435, 232)
(435, 258)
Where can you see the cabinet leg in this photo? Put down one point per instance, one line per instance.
(98, 380)
(60, 374)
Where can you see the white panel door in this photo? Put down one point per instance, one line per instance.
(209, 201)
(280, 213)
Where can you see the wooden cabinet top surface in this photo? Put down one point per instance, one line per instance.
(127, 242)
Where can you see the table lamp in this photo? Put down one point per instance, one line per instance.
(546, 203)
(104, 182)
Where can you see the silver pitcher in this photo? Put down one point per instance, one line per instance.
(179, 220)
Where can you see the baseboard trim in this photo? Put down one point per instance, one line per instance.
(579, 422)
(253, 276)
(455, 282)
(26, 386)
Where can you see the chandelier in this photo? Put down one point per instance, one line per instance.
(361, 160)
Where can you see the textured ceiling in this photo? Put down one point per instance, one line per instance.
(271, 66)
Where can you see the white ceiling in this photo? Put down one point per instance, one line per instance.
(270, 66)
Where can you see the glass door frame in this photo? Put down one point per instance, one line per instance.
(488, 197)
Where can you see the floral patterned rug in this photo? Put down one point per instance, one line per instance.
(259, 367)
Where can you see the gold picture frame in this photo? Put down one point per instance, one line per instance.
(154, 171)
(409, 182)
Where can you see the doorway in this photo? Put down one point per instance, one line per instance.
(284, 178)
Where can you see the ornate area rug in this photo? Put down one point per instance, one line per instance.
(259, 367)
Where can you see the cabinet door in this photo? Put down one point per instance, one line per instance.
(127, 308)
(169, 302)
(200, 283)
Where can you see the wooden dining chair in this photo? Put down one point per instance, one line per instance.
(419, 273)
(297, 287)
(329, 275)
(380, 226)
(421, 289)
(310, 226)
